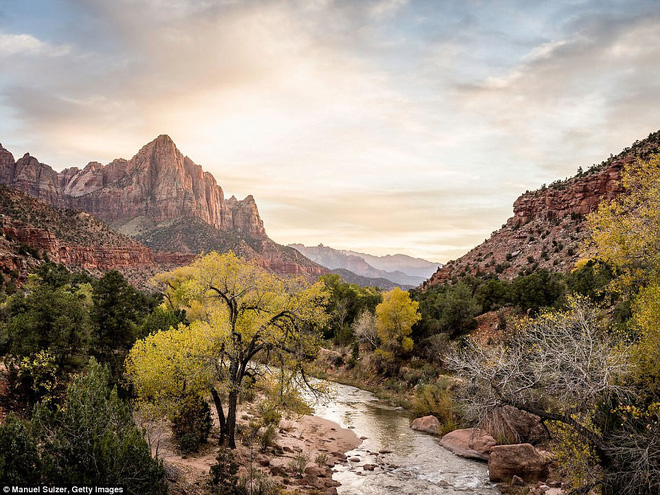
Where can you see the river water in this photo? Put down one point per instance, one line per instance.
(407, 462)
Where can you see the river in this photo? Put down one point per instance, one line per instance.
(407, 462)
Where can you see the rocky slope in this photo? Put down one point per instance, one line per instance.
(33, 231)
(401, 270)
(547, 228)
(157, 197)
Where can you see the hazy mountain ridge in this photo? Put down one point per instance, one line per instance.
(547, 228)
(403, 270)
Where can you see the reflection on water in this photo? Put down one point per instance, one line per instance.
(407, 462)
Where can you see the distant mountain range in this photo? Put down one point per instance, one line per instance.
(400, 269)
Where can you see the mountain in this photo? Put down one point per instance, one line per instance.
(548, 227)
(160, 197)
(400, 269)
(416, 267)
(381, 283)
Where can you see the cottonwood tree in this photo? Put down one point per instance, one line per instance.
(243, 313)
(395, 317)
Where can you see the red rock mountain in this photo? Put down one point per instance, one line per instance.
(547, 228)
(161, 198)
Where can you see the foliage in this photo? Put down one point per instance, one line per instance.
(345, 303)
(19, 459)
(165, 366)
(395, 317)
(541, 289)
(93, 439)
(117, 308)
(447, 309)
(192, 423)
(54, 320)
(244, 313)
(646, 358)
(634, 258)
(437, 399)
(298, 463)
(562, 366)
(365, 328)
(33, 378)
(224, 473)
(590, 278)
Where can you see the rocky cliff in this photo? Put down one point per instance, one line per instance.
(158, 183)
(158, 197)
(33, 231)
(547, 228)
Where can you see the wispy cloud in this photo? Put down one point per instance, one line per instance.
(27, 45)
(407, 124)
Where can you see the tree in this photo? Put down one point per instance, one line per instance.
(246, 313)
(44, 318)
(625, 231)
(564, 367)
(365, 328)
(117, 309)
(395, 317)
(93, 439)
(19, 458)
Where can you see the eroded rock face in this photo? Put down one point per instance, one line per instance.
(523, 460)
(427, 424)
(472, 443)
(548, 225)
(158, 183)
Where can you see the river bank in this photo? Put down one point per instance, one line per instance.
(299, 458)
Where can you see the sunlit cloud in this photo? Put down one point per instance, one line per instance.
(382, 125)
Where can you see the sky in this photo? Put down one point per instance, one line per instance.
(382, 126)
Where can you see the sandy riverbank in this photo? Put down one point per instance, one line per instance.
(309, 437)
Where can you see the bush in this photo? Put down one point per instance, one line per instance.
(19, 460)
(223, 473)
(299, 463)
(268, 437)
(191, 425)
(436, 399)
(93, 439)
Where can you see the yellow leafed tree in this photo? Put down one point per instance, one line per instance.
(395, 317)
(239, 312)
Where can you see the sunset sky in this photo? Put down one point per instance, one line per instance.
(382, 126)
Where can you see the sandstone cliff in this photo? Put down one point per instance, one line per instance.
(33, 231)
(547, 228)
(159, 196)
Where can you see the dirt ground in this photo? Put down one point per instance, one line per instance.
(321, 442)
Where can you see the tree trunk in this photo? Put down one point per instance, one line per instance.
(231, 418)
(221, 413)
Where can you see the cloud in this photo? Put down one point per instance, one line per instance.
(379, 124)
(28, 45)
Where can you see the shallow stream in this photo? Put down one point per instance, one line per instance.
(407, 462)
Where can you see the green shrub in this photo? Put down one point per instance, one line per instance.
(436, 399)
(223, 473)
(191, 425)
(268, 437)
(93, 439)
(19, 460)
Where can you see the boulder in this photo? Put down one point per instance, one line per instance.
(427, 424)
(472, 443)
(522, 460)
